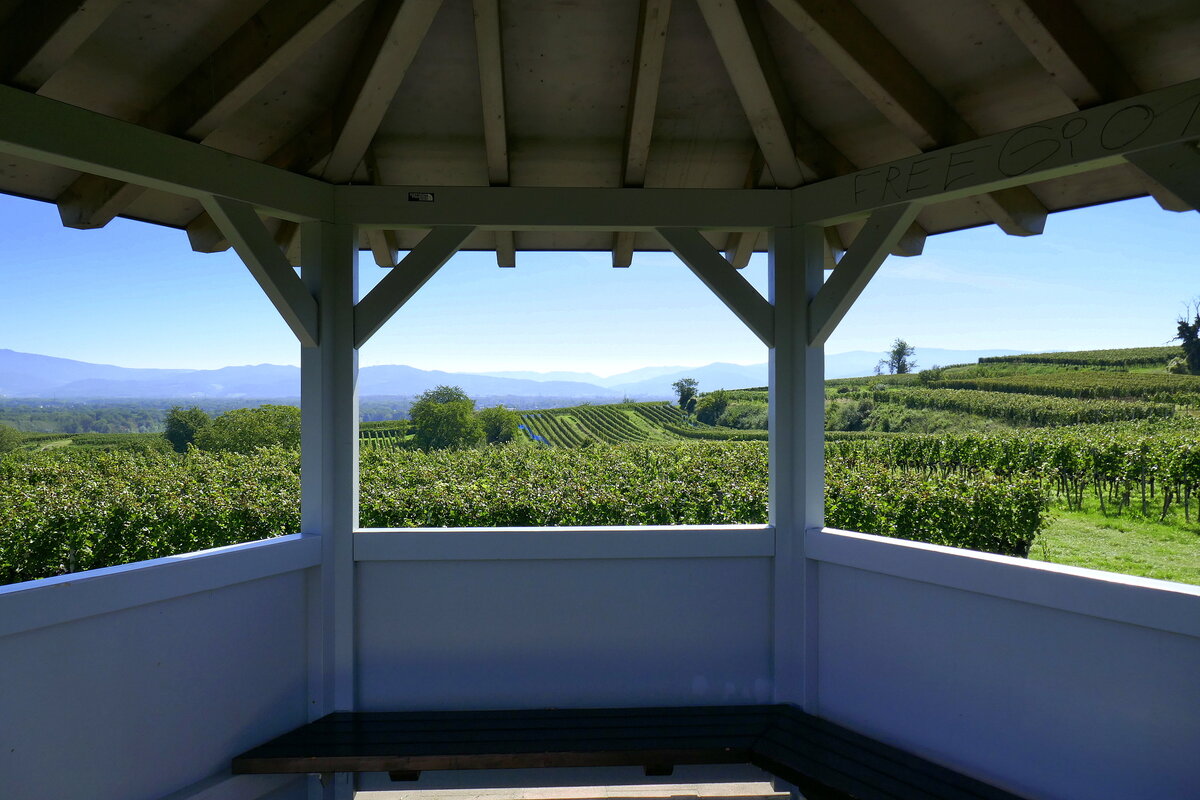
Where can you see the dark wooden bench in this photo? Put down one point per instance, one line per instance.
(824, 760)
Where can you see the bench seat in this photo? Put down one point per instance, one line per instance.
(824, 760)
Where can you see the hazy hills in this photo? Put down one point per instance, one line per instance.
(26, 375)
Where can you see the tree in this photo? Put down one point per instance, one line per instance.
(1189, 337)
(500, 424)
(444, 417)
(183, 425)
(245, 430)
(10, 438)
(685, 388)
(711, 406)
(899, 360)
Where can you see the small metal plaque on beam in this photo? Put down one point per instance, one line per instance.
(420, 197)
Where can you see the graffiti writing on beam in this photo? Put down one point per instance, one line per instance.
(1045, 147)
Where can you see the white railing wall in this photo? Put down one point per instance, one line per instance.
(142, 681)
(527, 618)
(1053, 682)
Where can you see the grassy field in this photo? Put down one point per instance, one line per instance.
(1117, 544)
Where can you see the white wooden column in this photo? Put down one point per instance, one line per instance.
(329, 470)
(797, 456)
(329, 451)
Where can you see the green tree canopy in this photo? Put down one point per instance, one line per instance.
(685, 388)
(10, 438)
(244, 430)
(500, 424)
(711, 406)
(444, 417)
(183, 424)
(899, 360)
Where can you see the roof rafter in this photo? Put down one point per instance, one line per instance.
(495, 129)
(649, 52)
(36, 39)
(253, 56)
(1076, 56)
(865, 57)
(755, 78)
(391, 43)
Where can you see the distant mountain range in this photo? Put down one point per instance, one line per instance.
(26, 375)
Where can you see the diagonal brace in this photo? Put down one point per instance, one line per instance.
(1175, 166)
(883, 230)
(267, 263)
(406, 278)
(723, 280)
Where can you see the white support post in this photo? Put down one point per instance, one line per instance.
(797, 457)
(329, 450)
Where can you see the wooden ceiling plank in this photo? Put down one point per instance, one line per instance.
(754, 76)
(649, 52)
(490, 52)
(1076, 56)
(393, 38)
(39, 37)
(865, 57)
(273, 39)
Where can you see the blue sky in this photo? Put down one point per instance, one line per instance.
(135, 295)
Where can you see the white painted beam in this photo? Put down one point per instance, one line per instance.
(857, 49)
(406, 279)
(1066, 145)
(490, 52)
(1176, 166)
(797, 460)
(36, 39)
(723, 280)
(383, 247)
(267, 263)
(66, 136)
(329, 458)
(649, 52)
(241, 67)
(522, 208)
(867, 252)
(383, 59)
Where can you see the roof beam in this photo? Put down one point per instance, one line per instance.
(270, 41)
(62, 135)
(269, 266)
(547, 208)
(421, 263)
(489, 50)
(1066, 145)
(866, 58)
(1176, 166)
(36, 39)
(723, 280)
(1074, 54)
(391, 44)
(755, 78)
(649, 52)
(1060, 37)
(860, 263)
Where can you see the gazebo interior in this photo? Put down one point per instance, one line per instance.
(830, 134)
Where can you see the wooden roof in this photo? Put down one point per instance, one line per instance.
(589, 93)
